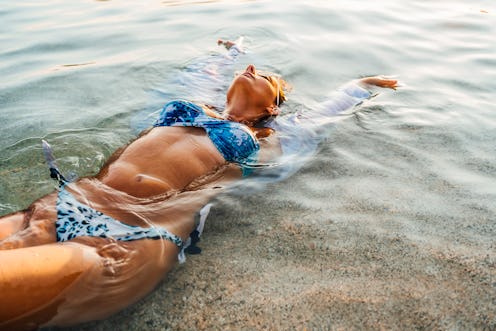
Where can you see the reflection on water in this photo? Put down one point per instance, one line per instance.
(77, 64)
(190, 2)
(418, 164)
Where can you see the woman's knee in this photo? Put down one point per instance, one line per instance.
(32, 233)
(11, 224)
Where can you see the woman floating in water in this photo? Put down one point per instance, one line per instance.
(98, 244)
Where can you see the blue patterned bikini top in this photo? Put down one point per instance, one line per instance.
(234, 140)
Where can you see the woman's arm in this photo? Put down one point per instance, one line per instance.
(345, 98)
(205, 79)
(211, 65)
(314, 119)
(299, 134)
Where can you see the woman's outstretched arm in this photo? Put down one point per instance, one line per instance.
(211, 65)
(299, 134)
(345, 98)
(204, 79)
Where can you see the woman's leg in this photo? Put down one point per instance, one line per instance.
(11, 224)
(73, 282)
(32, 233)
(32, 277)
(31, 227)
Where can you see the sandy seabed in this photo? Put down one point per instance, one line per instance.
(300, 270)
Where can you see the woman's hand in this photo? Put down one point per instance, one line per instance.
(228, 44)
(380, 81)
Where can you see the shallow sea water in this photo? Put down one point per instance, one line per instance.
(416, 165)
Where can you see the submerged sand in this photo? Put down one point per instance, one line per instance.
(278, 265)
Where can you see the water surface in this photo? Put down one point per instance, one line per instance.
(417, 164)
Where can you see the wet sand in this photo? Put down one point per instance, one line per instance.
(295, 268)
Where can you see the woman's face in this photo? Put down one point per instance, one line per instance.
(251, 97)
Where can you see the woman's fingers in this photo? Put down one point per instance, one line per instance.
(228, 44)
(381, 82)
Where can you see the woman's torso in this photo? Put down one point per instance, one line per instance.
(164, 159)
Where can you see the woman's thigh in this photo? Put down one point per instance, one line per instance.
(82, 280)
(11, 224)
(32, 232)
(31, 227)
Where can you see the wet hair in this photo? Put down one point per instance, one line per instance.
(281, 97)
(281, 84)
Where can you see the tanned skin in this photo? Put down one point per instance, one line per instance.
(163, 178)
